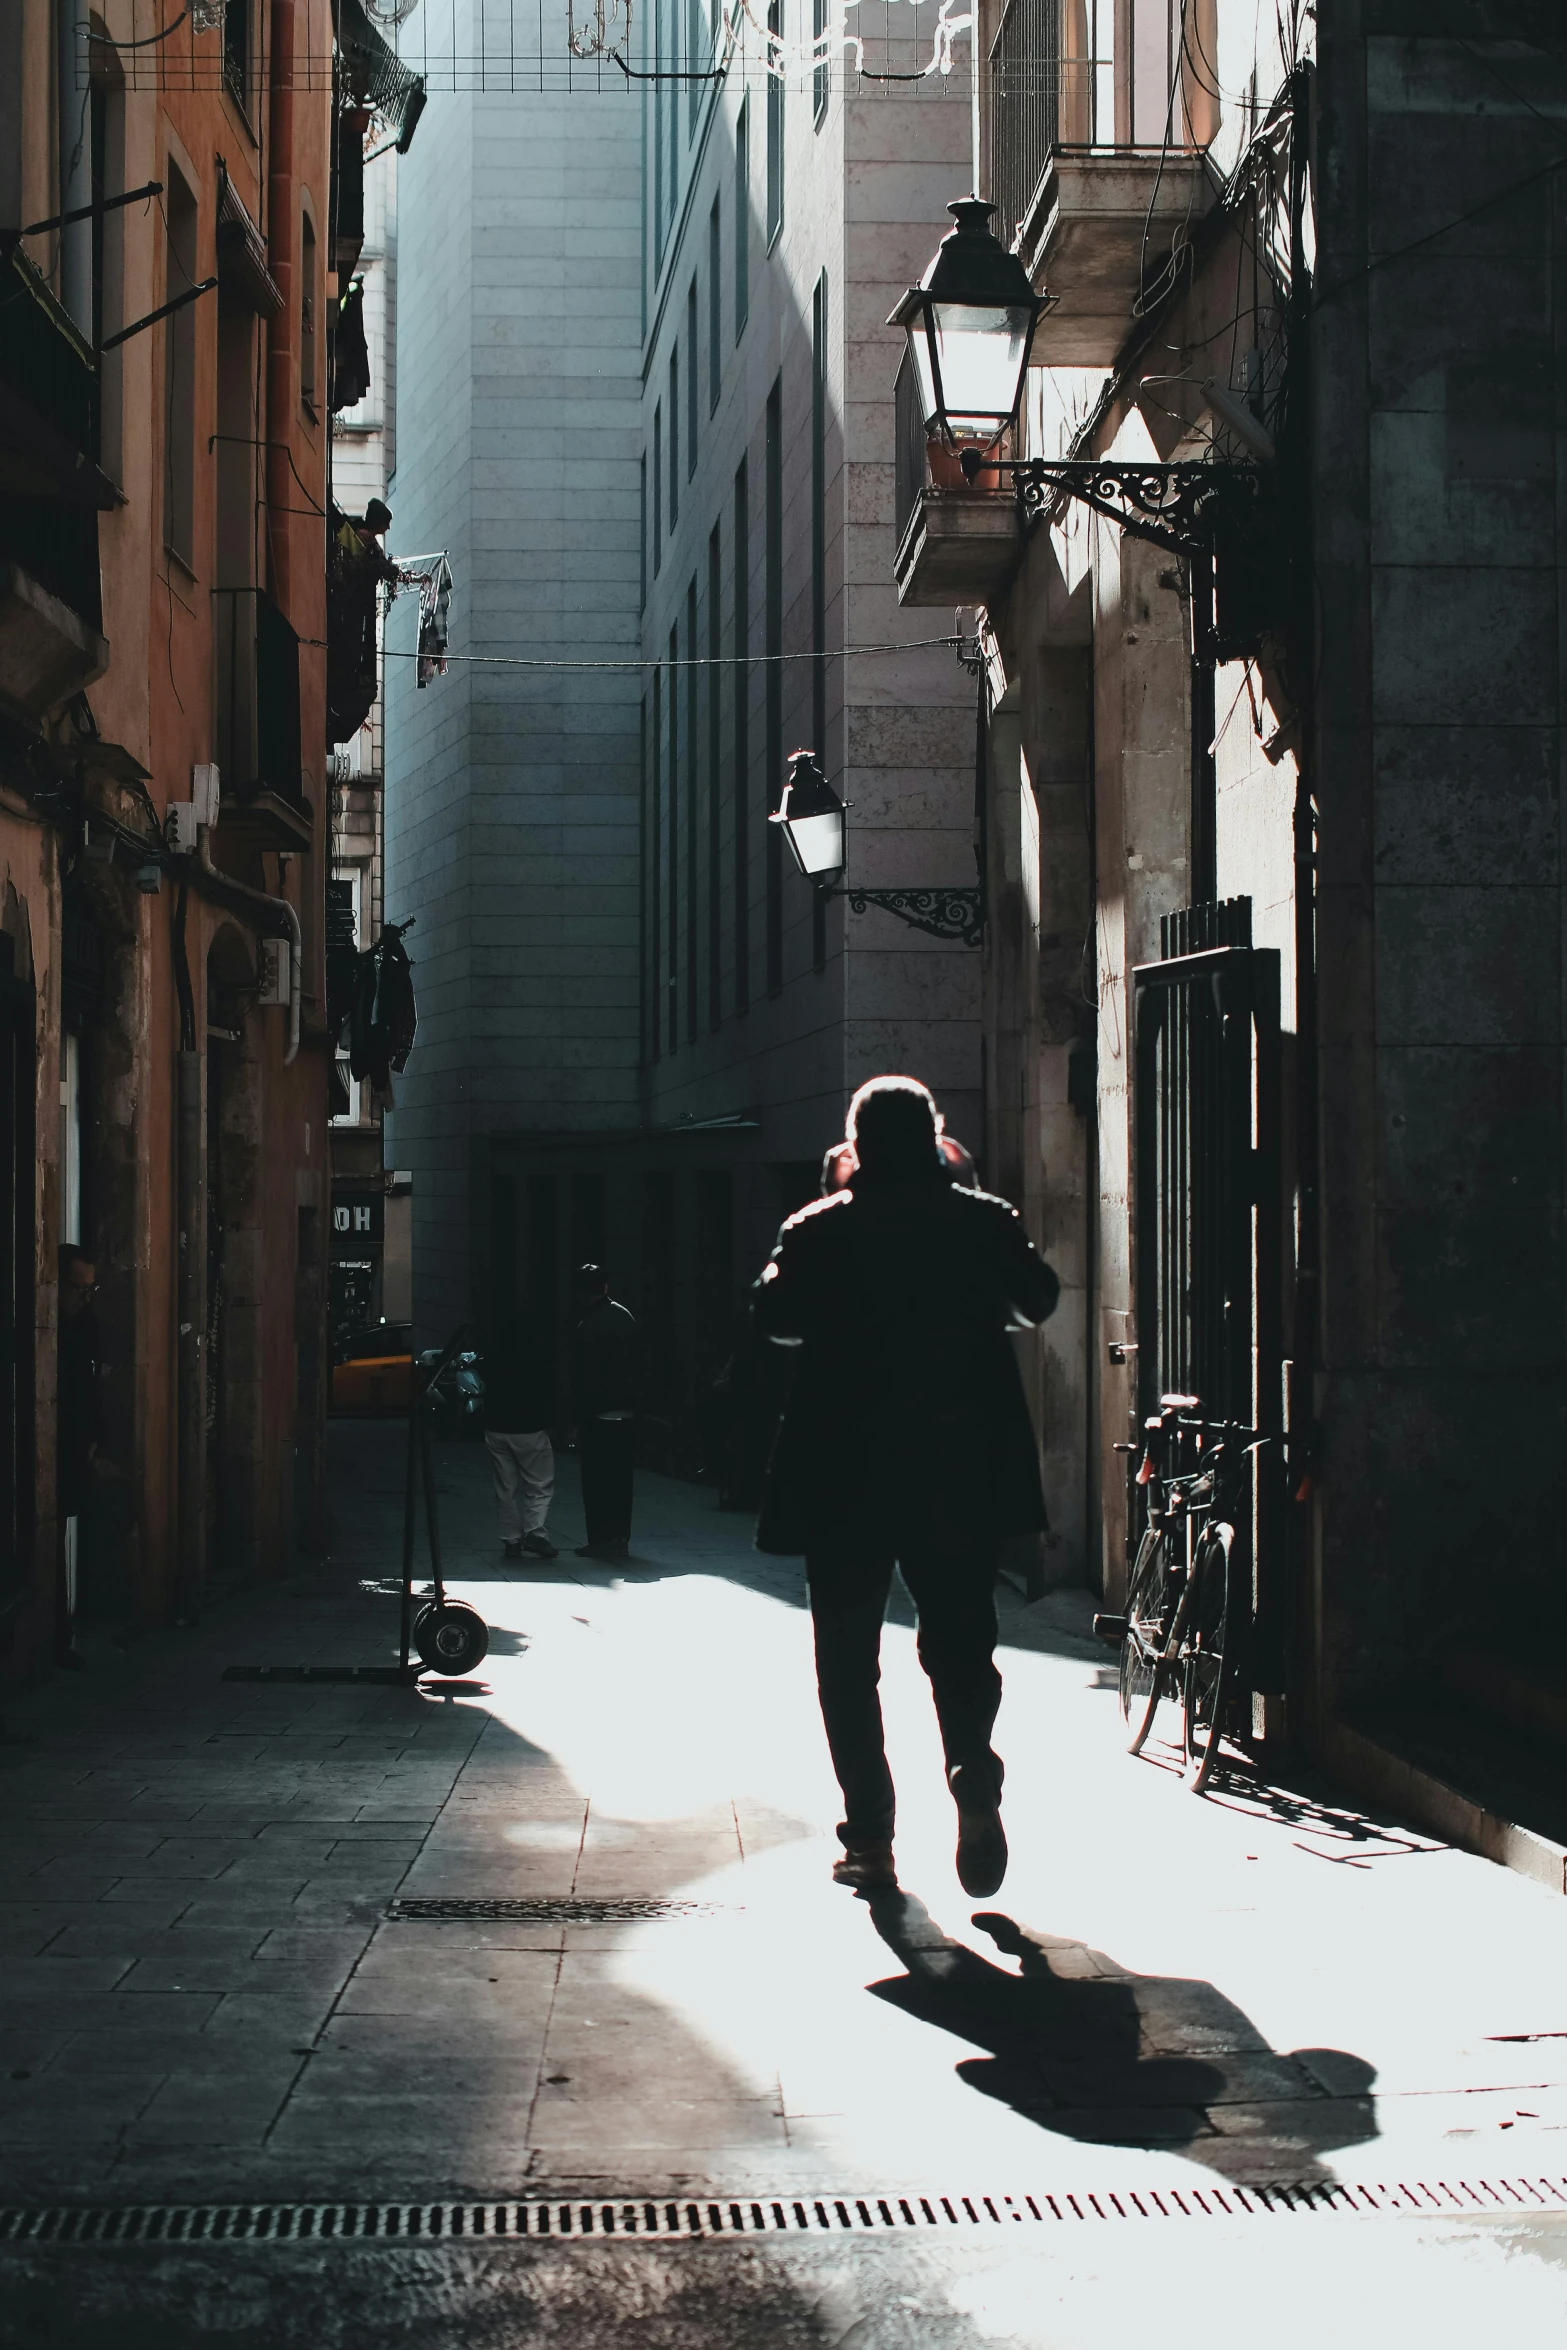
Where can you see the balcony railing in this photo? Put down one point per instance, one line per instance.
(1059, 80)
(1045, 92)
(909, 448)
(957, 541)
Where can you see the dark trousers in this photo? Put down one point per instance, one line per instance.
(608, 1450)
(954, 1594)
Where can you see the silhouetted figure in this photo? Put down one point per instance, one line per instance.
(519, 1404)
(906, 1440)
(604, 1395)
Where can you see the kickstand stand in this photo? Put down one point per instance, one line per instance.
(421, 1464)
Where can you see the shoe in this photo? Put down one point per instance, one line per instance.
(868, 1868)
(982, 1841)
(511, 1550)
(539, 1546)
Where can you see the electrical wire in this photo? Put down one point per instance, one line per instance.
(922, 644)
(108, 41)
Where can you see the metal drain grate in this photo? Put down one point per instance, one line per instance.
(688, 2219)
(550, 1910)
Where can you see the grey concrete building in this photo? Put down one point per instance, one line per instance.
(512, 785)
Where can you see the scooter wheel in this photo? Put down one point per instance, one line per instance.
(452, 1638)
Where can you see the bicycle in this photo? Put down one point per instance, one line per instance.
(1184, 1616)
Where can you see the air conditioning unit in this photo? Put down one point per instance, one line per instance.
(183, 816)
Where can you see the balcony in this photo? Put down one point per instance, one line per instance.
(956, 544)
(258, 737)
(1087, 184)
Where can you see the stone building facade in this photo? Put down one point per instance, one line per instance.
(1326, 278)
(162, 805)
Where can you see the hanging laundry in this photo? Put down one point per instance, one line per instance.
(350, 351)
(435, 603)
(384, 1019)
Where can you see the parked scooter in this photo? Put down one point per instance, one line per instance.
(456, 1394)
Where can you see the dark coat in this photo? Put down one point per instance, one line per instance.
(519, 1384)
(604, 1360)
(907, 1416)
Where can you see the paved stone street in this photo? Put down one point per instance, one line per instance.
(205, 1999)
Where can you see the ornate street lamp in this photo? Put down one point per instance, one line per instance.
(970, 323)
(812, 819)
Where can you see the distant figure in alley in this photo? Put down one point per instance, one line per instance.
(519, 1405)
(603, 1395)
(906, 1441)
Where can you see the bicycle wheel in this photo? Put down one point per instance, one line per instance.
(1209, 1665)
(1147, 1608)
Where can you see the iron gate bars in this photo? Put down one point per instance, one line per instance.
(1207, 1223)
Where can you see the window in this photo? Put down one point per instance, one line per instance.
(647, 890)
(692, 691)
(658, 488)
(742, 766)
(674, 837)
(715, 329)
(655, 834)
(659, 87)
(715, 705)
(821, 78)
(642, 532)
(692, 372)
(307, 313)
(345, 928)
(819, 577)
(696, 45)
(742, 216)
(236, 49)
(179, 372)
(775, 132)
(773, 623)
(674, 435)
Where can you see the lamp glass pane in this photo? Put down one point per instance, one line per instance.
(981, 354)
(924, 373)
(817, 842)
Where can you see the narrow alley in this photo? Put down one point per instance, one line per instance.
(225, 1987)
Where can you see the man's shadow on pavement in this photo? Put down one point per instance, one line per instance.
(1109, 2058)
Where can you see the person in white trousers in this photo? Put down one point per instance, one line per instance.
(518, 1406)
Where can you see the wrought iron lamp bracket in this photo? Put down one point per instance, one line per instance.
(1180, 507)
(942, 913)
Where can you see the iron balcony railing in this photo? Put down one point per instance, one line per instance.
(909, 448)
(1048, 89)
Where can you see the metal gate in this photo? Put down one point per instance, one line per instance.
(1207, 1210)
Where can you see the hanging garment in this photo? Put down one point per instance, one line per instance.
(435, 603)
(350, 351)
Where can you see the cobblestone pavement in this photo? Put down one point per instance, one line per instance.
(205, 1999)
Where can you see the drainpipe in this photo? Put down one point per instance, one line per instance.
(282, 330)
(190, 1293)
(276, 909)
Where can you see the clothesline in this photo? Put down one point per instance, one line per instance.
(923, 644)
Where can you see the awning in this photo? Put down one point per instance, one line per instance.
(376, 75)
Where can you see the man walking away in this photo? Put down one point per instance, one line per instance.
(604, 1394)
(906, 1439)
(519, 1403)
